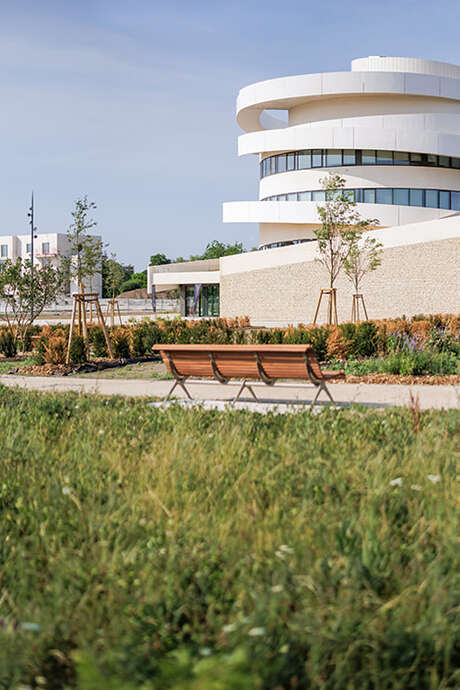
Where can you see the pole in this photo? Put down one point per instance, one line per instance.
(32, 237)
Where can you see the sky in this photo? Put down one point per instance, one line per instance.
(133, 104)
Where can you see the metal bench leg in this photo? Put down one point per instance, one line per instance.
(179, 382)
(241, 389)
(322, 387)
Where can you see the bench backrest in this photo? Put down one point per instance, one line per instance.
(269, 362)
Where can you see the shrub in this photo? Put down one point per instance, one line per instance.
(97, 342)
(338, 347)
(8, 345)
(366, 339)
(55, 350)
(120, 343)
(78, 353)
(441, 340)
(39, 353)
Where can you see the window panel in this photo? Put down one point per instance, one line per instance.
(45, 247)
(369, 196)
(304, 196)
(272, 160)
(455, 200)
(358, 195)
(292, 196)
(384, 157)
(401, 158)
(318, 196)
(333, 157)
(431, 159)
(4, 250)
(455, 162)
(282, 163)
(416, 158)
(368, 157)
(349, 157)
(401, 197)
(317, 158)
(416, 197)
(383, 196)
(431, 198)
(304, 160)
(28, 248)
(291, 161)
(444, 161)
(444, 199)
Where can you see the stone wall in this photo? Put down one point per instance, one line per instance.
(413, 279)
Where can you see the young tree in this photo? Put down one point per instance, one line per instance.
(340, 226)
(114, 276)
(86, 251)
(364, 257)
(25, 292)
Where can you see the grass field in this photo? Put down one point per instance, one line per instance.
(199, 550)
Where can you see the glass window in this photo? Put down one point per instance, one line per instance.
(349, 157)
(304, 196)
(455, 200)
(431, 198)
(368, 157)
(416, 197)
(416, 158)
(401, 197)
(272, 160)
(282, 163)
(318, 196)
(431, 159)
(291, 161)
(28, 248)
(444, 199)
(455, 162)
(369, 196)
(45, 247)
(281, 197)
(384, 157)
(349, 194)
(401, 158)
(4, 250)
(333, 157)
(383, 196)
(317, 158)
(444, 162)
(304, 160)
(358, 195)
(292, 196)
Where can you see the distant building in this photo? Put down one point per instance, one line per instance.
(48, 249)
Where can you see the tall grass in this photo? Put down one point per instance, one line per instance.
(179, 549)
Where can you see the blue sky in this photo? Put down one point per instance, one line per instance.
(133, 103)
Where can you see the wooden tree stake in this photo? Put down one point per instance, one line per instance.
(331, 306)
(80, 300)
(355, 308)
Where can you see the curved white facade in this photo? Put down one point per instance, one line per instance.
(390, 127)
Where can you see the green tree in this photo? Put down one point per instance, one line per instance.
(159, 260)
(86, 251)
(136, 281)
(216, 249)
(365, 256)
(114, 276)
(24, 293)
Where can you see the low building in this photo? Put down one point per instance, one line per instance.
(48, 250)
(391, 128)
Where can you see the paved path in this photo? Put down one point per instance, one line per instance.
(372, 395)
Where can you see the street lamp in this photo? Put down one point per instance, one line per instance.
(33, 236)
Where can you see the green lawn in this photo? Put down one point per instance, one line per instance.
(186, 549)
(11, 365)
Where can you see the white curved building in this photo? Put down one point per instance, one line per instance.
(390, 127)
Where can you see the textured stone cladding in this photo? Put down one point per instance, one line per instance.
(412, 279)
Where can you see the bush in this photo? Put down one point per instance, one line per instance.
(39, 353)
(120, 343)
(78, 353)
(366, 340)
(97, 342)
(8, 345)
(440, 340)
(55, 349)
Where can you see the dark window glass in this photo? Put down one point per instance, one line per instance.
(291, 161)
(4, 250)
(358, 195)
(455, 162)
(45, 247)
(444, 162)
(455, 200)
(349, 157)
(416, 158)
(292, 196)
(401, 197)
(444, 199)
(416, 197)
(304, 160)
(282, 163)
(431, 159)
(431, 198)
(401, 158)
(304, 196)
(384, 196)
(369, 196)
(333, 157)
(318, 196)
(28, 248)
(317, 158)
(368, 157)
(384, 157)
(281, 197)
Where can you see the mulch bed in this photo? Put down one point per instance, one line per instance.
(450, 379)
(68, 369)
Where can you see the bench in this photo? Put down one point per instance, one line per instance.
(254, 364)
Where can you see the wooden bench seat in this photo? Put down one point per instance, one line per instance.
(259, 363)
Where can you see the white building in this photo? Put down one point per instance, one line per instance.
(391, 128)
(48, 249)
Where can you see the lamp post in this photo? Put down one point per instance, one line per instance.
(32, 237)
